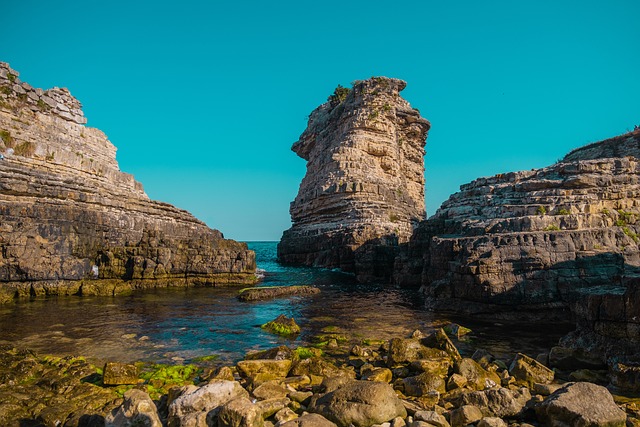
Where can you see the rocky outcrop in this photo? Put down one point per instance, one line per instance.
(533, 241)
(72, 223)
(364, 188)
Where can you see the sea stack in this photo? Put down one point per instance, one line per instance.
(72, 223)
(363, 192)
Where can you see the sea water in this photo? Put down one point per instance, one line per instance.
(182, 324)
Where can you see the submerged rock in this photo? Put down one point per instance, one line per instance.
(282, 325)
(270, 292)
(364, 188)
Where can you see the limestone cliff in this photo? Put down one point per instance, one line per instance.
(364, 188)
(536, 240)
(72, 223)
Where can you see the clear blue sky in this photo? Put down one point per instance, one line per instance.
(204, 98)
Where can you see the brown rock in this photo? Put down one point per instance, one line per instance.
(364, 188)
(72, 223)
(115, 373)
(530, 371)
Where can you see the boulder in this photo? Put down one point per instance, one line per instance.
(498, 402)
(309, 420)
(270, 390)
(137, 410)
(439, 339)
(282, 325)
(284, 415)
(195, 408)
(477, 377)
(435, 366)
(530, 371)
(240, 412)
(464, 415)
(581, 404)
(115, 373)
(406, 350)
(423, 384)
(383, 375)
(492, 422)
(263, 370)
(432, 418)
(361, 403)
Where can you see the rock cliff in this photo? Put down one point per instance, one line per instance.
(364, 189)
(533, 241)
(72, 223)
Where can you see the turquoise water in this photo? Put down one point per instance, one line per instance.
(180, 324)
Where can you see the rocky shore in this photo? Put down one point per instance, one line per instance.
(71, 223)
(417, 381)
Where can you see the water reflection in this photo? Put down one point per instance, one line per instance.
(180, 324)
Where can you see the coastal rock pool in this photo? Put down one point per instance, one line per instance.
(176, 325)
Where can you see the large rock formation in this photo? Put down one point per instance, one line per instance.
(364, 188)
(533, 240)
(72, 223)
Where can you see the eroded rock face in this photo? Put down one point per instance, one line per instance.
(364, 188)
(72, 223)
(534, 240)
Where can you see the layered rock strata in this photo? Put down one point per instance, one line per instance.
(363, 192)
(72, 223)
(536, 240)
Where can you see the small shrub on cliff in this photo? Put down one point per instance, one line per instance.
(630, 233)
(563, 211)
(11, 77)
(541, 210)
(6, 90)
(6, 138)
(393, 218)
(25, 149)
(552, 227)
(43, 105)
(339, 95)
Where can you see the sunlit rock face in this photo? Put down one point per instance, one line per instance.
(535, 241)
(363, 192)
(72, 223)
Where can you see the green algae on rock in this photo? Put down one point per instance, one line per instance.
(282, 325)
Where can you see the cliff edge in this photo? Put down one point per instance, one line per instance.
(363, 192)
(72, 223)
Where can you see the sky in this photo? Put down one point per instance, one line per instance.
(203, 99)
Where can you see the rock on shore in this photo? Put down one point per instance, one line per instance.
(72, 223)
(364, 188)
(426, 383)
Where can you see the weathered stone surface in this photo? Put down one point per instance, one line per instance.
(477, 377)
(361, 403)
(115, 373)
(197, 407)
(263, 370)
(530, 371)
(492, 422)
(581, 404)
(72, 223)
(364, 188)
(498, 402)
(432, 418)
(240, 412)
(533, 242)
(137, 410)
(464, 415)
(270, 292)
(407, 350)
(309, 420)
